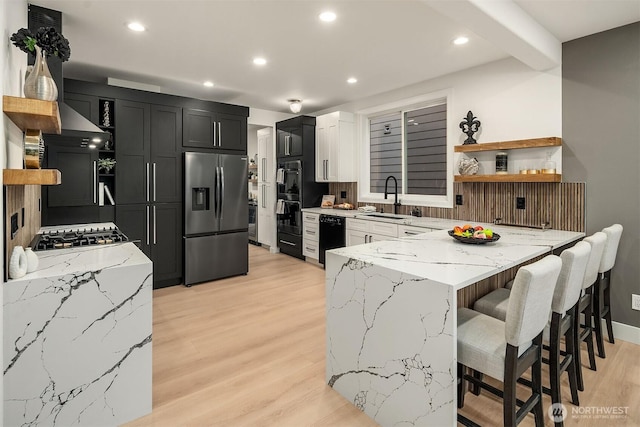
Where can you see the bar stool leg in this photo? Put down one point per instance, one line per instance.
(607, 304)
(461, 385)
(570, 345)
(577, 357)
(598, 308)
(588, 314)
(509, 405)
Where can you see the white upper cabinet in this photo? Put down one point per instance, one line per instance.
(335, 148)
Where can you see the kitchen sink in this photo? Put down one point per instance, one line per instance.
(384, 216)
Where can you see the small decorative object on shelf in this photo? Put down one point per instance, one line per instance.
(501, 163)
(469, 126)
(106, 164)
(468, 166)
(17, 263)
(33, 149)
(44, 43)
(106, 115)
(32, 260)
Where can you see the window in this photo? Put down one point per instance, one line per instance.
(409, 142)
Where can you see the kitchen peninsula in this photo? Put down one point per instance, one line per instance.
(391, 310)
(77, 338)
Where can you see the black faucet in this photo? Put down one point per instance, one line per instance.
(386, 193)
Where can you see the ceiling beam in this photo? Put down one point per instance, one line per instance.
(508, 27)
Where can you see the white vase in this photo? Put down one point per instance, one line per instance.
(32, 260)
(17, 263)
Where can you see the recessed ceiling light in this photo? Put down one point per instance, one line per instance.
(92, 145)
(136, 26)
(208, 84)
(259, 61)
(96, 140)
(327, 16)
(352, 80)
(461, 40)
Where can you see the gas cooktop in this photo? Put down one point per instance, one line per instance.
(62, 239)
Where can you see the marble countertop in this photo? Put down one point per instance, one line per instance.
(60, 262)
(438, 257)
(336, 212)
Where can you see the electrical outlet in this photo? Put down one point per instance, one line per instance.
(459, 199)
(635, 302)
(520, 203)
(14, 225)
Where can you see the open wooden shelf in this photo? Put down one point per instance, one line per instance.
(509, 145)
(540, 177)
(32, 113)
(31, 177)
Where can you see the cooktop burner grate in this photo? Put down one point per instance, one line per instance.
(68, 239)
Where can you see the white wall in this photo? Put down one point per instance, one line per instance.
(266, 117)
(511, 100)
(13, 63)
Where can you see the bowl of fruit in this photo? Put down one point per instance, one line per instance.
(473, 235)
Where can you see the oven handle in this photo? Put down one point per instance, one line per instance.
(287, 243)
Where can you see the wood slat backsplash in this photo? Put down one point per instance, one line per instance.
(561, 204)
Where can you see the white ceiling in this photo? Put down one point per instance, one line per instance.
(386, 44)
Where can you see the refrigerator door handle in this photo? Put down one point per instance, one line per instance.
(95, 179)
(148, 225)
(221, 190)
(215, 193)
(219, 134)
(264, 169)
(154, 224)
(154, 181)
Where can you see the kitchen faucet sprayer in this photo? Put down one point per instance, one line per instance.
(386, 192)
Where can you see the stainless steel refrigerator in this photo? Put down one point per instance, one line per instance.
(216, 216)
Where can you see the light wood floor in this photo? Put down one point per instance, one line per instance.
(249, 351)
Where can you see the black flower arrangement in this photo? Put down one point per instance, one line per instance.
(47, 38)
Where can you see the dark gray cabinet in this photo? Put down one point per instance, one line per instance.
(79, 168)
(86, 105)
(157, 229)
(207, 129)
(149, 183)
(133, 171)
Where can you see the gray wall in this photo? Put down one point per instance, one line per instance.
(601, 145)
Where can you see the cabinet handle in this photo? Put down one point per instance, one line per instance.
(410, 233)
(311, 232)
(154, 181)
(95, 181)
(215, 132)
(310, 249)
(148, 183)
(219, 134)
(148, 225)
(154, 224)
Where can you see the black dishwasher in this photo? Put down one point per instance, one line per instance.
(332, 234)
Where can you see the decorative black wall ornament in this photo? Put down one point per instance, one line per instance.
(470, 126)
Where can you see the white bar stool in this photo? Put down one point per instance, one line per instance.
(563, 313)
(505, 350)
(584, 331)
(602, 291)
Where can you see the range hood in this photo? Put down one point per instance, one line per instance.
(76, 129)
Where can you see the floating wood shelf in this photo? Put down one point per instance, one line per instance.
(253, 166)
(509, 145)
(31, 177)
(540, 177)
(32, 113)
(253, 181)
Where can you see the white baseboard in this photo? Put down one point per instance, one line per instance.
(274, 249)
(624, 332)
